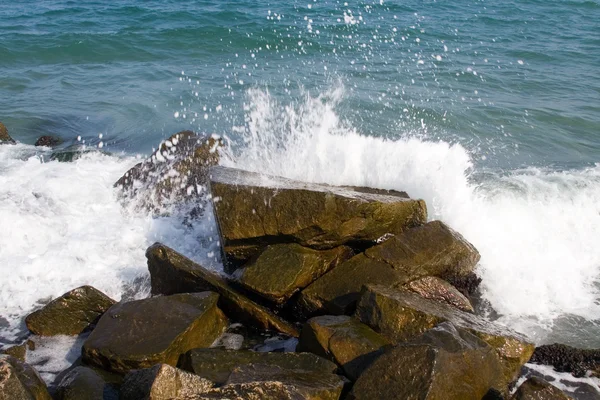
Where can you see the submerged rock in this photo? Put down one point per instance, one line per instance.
(437, 289)
(84, 383)
(19, 381)
(255, 210)
(283, 269)
(567, 359)
(48, 141)
(538, 389)
(4, 136)
(344, 340)
(445, 363)
(142, 333)
(402, 315)
(171, 272)
(70, 314)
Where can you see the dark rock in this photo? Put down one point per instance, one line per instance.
(162, 382)
(216, 365)
(283, 269)
(142, 333)
(567, 359)
(253, 391)
(344, 340)
(48, 141)
(538, 389)
(466, 284)
(4, 136)
(170, 273)
(83, 383)
(445, 363)
(437, 289)
(70, 314)
(402, 315)
(19, 381)
(255, 210)
(72, 153)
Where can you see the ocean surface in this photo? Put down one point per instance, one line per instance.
(488, 110)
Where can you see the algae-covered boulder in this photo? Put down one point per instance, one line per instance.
(446, 363)
(255, 210)
(566, 358)
(84, 383)
(217, 365)
(162, 382)
(142, 333)
(177, 171)
(438, 289)
(402, 315)
(70, 314)
(4, 136)
(19, 381)
(283, 269)
(536, 388)
(344, 340)
(171, 272)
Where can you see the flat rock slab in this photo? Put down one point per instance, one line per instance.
(142, 333)
(283, 269)
(538, 389)
(344, 340)
(434, 288)
(217, 365)
(171, 272)
(402, 315)
(70, 314)
(255, 210)
(162, 382)
(19, 381)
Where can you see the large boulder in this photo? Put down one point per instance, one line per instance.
(255, 210)
(445, 363)
(567, 359)
(177, 171)
(434, 288)
(344, 340)
(283, 269)
(18, 381)
(171, 272)
(402, 315)
(162, 382)
(142, 333)
(84, 383)
(70, 314)
(536, 388)
(4, 136)
(217, 365)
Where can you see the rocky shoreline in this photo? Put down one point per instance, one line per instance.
(367, 298)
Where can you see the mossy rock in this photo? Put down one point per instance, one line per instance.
(142, 333)
(283, 269)
(84, 383)
(255, 210)
(344, 340)
(434, 288)
(4, 136)
(70, 314)
(171, 272)
(536, 388)
(19, 381)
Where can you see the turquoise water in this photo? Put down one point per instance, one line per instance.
(490, 111)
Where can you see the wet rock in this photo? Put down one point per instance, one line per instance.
(171, 272)
(162, 382)
(72, 153)
(437, 289)
(142, 333)
(4, 136)
(402, 315)
(216, 365)
(344, 340)
(253, 391)
(19, 381)
(567, 359)
(70, 314)
(538, 389)
(83, 383)
(177, 171)
(19, 351)
(444, 363)
(255, 210)
(468, 284)
(48, 141)
(283, 269)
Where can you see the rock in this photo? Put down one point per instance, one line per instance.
(538, 389)
(19, 381)
(4, 136)
(177, 171)
(252, 391)
(402, 315)
(16, 351)
(567, 359)
(162, 382)
(84, 383)
(344, 340)
(445, 363)
(283, 269)
(255, 210)
(70, 314)
(437, 289)
(48, 141)
(216, 365)
(73, 153)
(170, 273)
(139, 334)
